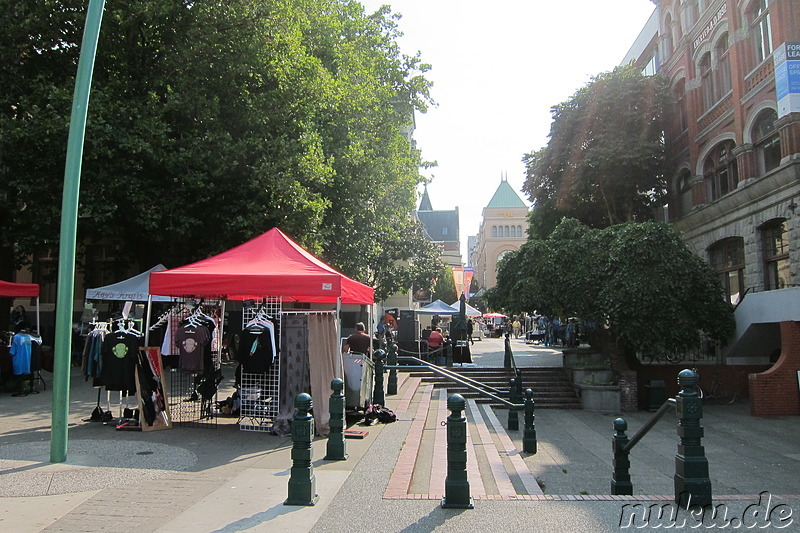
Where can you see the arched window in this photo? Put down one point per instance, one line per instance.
(494, 231)
(507, 232)
(720, 171)
(722, 84)
(767, 140)
(513, 231)
(669, 37)
(519, 231)
(727, 259)
(690, 12)
(775, 237)
(679, 93)
(760, 30)
(684, 192)
(707, 81)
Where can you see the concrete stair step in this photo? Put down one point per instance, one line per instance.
(495, 469)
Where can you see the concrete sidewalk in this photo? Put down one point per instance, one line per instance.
(223, 479)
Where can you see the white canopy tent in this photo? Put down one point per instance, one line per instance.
(471, 311)
(135, 289)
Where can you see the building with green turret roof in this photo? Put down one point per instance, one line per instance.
(503, 229)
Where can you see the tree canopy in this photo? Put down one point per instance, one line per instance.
(604, 163)
(638, 279)
(211, 122)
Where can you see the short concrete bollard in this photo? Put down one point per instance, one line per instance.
(378, 394)
(302, 483)
(391, 359)
(513, 415)
(456, 485)
(337, 445)
(621, 478)
(692, 484)
(529, 435)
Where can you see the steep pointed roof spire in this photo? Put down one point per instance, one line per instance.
(425, 203)
(505, 195)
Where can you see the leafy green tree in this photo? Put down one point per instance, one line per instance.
(637, 279)
(211, 122)
(604, 163)
(445, 289)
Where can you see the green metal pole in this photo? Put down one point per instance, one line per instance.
(69, 226)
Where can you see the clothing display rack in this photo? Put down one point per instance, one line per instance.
(259, 393)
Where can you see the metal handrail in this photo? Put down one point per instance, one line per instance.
(649, 425)
(461, 380)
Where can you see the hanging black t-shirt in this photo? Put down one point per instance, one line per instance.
(118, 371)
(256, 348)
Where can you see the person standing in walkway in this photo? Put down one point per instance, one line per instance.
(358, 342)
(470, 329)
(517, 327)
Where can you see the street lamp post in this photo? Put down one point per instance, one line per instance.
(69, 226)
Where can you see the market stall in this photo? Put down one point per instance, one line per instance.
(267, 271)
(32, 338)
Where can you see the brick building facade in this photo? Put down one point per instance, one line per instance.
(734, 144)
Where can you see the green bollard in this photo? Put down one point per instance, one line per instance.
(456, 485)
(449, 349)
(337, 445)
(513, 415)
(529, 435)
(692, 484)
(391, 385)
(621, 478)
(378, 395)
(302, 483)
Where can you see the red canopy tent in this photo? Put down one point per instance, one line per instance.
(21, 290)
(269, 265)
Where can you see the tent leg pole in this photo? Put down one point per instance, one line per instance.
(147, 321)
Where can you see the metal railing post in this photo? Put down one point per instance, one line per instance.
(529, 435)
(302, 483)
(337, 445)
(378, 395)
(621, 478)
(456, 484)
(391, 384)
(513, 415)
(692, 484)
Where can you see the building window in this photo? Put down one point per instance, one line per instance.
(679, 92)
(444, 230)
(767, 140)
(720, 171)
(669, 36)
(519, 231)
(513, 231)
(651, 67)
(690, 12)
(776, 255)
(507, 232)
(707, 81)
(761, 30)
(494, 231)
(684, 191)
(722, 84)
(727, 259)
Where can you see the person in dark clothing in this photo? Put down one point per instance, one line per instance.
(359, 341)
(19, 319)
